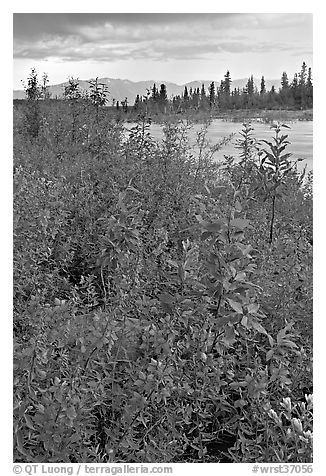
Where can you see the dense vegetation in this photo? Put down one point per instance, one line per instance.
(162, 300)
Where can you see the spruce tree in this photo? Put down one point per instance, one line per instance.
(302, 85)
(284, 81)
(295, 90)
(286, 96)
(250, 86)
(163, 98)
(211, 94)
(137, 103)
(272, 97)
(309, 88)
(303, 74)
(227, 84)
(224, 92)
(249, 92)
(154, 93)
(262, 86)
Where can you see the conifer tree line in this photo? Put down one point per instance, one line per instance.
(297, 94)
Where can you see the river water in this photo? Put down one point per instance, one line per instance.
(300, 136)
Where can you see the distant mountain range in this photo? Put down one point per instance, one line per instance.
(119, 89)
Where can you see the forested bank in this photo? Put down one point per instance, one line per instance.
(217, 101)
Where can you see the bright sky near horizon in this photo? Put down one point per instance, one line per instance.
(178, 47)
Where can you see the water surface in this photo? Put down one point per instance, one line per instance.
(300, 135)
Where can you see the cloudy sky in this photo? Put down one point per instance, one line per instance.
(160, 46)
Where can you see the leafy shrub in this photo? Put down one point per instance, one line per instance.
(155, 320)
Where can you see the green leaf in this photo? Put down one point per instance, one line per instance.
(244, 321)
(142, 375)
(245, 249)
(269, 354)
(204, 235)
(238, 206)
(240, 403)
(240, 276)
(258, 327)
(236, 306)
(29, 422)
(71, 412)
(229, 335)
(288, 343)
(271, 340)
(285, 156)
(222, 321)
(281, 334)
(213, 227)
(166, 298)
(253, 308)
(240, 223)
(242, 384)
(20, 442)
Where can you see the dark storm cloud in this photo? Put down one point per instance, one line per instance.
(104, 37)
(27, 25)
(107, 26)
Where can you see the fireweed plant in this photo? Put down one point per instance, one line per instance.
(162, 299)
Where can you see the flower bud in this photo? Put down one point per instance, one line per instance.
(307, 434)
(275, 417)
(297, 425)
(287, 404)
(309, 400)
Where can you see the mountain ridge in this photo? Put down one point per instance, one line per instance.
(119, 89)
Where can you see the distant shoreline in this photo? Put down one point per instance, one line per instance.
(266, 116)
(198, 116)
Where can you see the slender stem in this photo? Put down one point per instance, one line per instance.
(272, 220)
